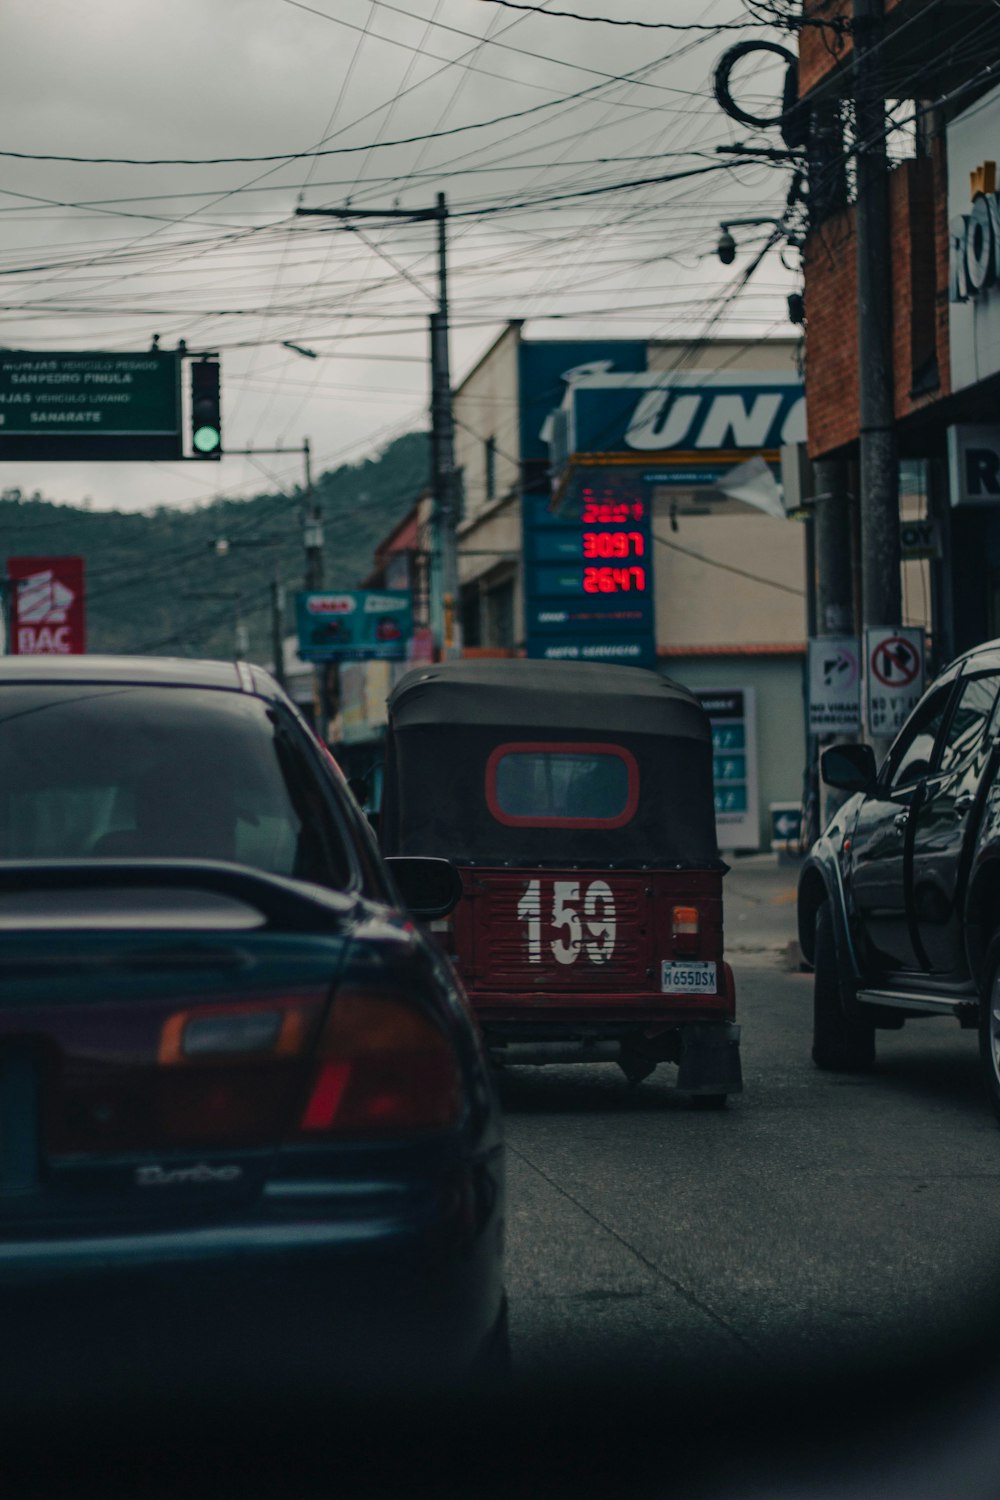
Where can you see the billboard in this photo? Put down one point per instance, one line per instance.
(354, 625)
(47, 603)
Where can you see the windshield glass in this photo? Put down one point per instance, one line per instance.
(114, 772)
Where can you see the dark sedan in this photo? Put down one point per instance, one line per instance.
(899, 900)
(245, 1117)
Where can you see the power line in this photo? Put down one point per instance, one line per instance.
(480, 42)
(290, 156)
(836, 24)
(713, 562)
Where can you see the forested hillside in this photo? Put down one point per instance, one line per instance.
(155, 583)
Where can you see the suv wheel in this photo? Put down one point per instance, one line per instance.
(989, 1027)
(841, 1044)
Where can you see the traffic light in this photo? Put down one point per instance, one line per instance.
(206, 409)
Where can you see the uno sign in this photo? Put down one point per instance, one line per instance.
(47, 606)
(663, 411)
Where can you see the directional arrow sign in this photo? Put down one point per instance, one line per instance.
(834, 685)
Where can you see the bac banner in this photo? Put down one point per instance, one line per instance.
(46, 606)
(357, 625)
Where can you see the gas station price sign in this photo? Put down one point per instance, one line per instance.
(618, 539)
(589, 574)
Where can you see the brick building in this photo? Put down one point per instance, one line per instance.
(938, 61)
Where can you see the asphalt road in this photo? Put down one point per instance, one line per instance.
(818, 1218)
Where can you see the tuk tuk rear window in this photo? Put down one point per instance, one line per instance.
(565, 785)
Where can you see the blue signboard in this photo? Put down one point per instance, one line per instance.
(577, 608)
(546, 370)
(589, 573)
(355, 625)
(658, 412)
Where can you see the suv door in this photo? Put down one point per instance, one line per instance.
(881, 840)
(942, 819)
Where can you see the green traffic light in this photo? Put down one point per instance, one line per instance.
(206, 439)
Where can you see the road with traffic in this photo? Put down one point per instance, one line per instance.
(821, 1217)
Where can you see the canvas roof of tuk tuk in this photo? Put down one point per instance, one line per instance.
(582, 697)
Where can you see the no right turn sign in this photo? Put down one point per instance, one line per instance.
(894, 673)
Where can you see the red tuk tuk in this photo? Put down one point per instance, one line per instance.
(576, 802)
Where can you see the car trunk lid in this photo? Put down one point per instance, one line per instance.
(154, 1046)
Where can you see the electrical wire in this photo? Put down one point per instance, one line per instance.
(836, 24)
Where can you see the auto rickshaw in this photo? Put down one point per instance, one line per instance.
(575, 799)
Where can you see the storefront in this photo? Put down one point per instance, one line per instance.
(973, 436)
(664, 567)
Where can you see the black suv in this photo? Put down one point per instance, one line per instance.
(899, 899)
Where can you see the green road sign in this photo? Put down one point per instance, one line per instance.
(83, 405)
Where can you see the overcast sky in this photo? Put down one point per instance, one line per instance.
(106, 256)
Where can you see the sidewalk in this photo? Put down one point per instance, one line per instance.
(759, 909)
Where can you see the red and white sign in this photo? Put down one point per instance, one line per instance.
(894, 674)
(47, 606)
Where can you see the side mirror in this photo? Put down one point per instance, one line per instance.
(429, 887)
(849, 768)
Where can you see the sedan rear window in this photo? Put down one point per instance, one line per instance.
(122, 772)
(565, 785)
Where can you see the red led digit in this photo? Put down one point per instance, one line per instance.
(613, 544)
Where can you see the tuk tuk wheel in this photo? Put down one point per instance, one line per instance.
(840, 1044)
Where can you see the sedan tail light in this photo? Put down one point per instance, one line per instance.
(385, 1068)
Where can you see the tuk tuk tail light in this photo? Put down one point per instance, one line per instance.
(686, 929)
(385, 1068)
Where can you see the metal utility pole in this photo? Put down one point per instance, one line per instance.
(835, 609)
(222, 546)
(278, 627)
(834, 591)
(312, 520)
(879, 466)
(312, 529)
(445, 613)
